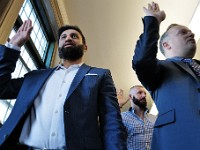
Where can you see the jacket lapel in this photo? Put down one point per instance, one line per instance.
(186, 68)
(33, 82)
(38, 79)
(77, 79)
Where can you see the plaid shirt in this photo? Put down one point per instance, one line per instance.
(139, 132)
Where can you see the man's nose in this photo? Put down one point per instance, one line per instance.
(68, 38)
(143, 95)
(191, 34)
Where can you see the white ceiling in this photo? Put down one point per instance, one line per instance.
(112, 28)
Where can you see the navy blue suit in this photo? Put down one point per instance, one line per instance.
(176, 92)
(91, 112)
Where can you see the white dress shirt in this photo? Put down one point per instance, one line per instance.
(44, 127)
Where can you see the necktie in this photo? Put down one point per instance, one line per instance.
(193, 64)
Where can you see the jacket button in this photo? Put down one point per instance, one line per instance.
(66, 112)
(5, 136)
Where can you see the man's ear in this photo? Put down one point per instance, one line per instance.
(130, 97)
(85, 47)
(166, 46)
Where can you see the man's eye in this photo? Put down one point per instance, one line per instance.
(74, 36)
(183, 32)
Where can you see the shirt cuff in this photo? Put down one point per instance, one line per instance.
(11, 46)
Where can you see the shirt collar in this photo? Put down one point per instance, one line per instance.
(60, 66)
(178, 58)
(133, 110)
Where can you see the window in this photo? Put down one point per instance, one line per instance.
(36, 52)
(38, 35)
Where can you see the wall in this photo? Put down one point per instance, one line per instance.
(9, 11)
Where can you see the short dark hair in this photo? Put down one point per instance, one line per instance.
(164, 35)
(67, 27)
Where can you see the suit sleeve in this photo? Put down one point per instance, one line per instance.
(9, 88)
(110, 119)
(144, 61)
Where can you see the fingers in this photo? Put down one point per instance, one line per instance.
(120, 92)
(26, 26)
(153, 7)
(157, 6)
(145, 10)
(22, 27)
(23, 34)
(29, 26)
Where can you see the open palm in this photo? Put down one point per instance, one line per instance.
(23, 34)
(154, 10)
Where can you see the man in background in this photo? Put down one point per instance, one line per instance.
(137, 121)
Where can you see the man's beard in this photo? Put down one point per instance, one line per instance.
(142, 104)
(71, 53)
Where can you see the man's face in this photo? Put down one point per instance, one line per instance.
(139, 97)
(71, 46)
(182, 41)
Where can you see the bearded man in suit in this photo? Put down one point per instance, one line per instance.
(72, 106)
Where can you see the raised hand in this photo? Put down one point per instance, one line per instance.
(23, 34)
(121, 99)
(154, 10)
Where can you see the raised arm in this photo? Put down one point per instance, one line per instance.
(145, 61)
(8, 57)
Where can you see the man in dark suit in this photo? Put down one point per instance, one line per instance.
(72, 106)
(174, 85)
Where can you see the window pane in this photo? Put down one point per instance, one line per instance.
(24, 16)
(36, 27)
(4, 109)
(39, 36)
(17, 71)
(33, 36)
(27, 9)
(25, 56)
(32, 17)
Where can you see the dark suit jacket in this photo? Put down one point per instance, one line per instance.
(91, 111)
(175, 90)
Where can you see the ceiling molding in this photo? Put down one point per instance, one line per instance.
(63, 11)
(59, 10)
(53, 14)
